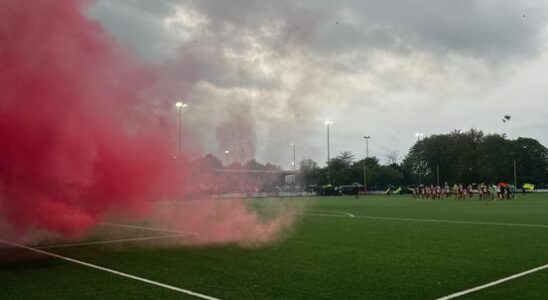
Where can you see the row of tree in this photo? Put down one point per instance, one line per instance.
(464, 157)
(344, 169)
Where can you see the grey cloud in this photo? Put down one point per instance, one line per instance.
(293, 63)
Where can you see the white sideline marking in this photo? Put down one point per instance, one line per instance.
(148, 228)
(114, 241)
(166, 286)
(435, 221)
(481, 287)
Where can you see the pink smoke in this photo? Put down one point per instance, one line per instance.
(223, 221)
(81, 136)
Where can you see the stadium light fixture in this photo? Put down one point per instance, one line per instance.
(227, 153)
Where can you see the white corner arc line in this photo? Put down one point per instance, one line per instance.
(147, 228)
(343, 213)
(481, 287)
(329, 213)
(166, 286)
(157, 237)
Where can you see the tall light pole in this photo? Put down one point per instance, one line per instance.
(294, 163)
(366, 157)
(419, 137)
(226, 152)
(180, 106)
(327, 124)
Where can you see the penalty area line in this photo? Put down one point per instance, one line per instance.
(496, 282)
(148, 238)
(148, 228)
(122, 274)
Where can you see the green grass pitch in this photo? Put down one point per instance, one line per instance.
(394, 248)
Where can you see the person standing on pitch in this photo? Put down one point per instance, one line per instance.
(494, 194)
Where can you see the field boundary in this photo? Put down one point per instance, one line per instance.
(496, 282)
(122, 274)
(147, 238)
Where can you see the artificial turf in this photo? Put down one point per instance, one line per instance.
(409, 253)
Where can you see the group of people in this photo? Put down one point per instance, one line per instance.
(459, 191)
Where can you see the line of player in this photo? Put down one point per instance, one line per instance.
(484, 191)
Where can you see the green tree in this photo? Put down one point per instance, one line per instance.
(310, 173)
(472, 157)
(340, 169)
(531, 160)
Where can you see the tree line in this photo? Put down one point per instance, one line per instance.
(457, 157)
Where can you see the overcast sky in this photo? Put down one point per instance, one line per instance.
(260, 75)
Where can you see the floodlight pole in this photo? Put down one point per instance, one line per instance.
(180, 106)
(227, 152)
(364, 161)
(180, 130)
(419, 136)
(294, 164)
(328, 123)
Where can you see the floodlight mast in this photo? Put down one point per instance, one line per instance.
(366, 157)
(327, 124)
(294, 164)
(180, 106)
(226, 152)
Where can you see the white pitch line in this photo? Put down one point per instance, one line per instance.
(455, 222)
(481, 287)
(114, 241)
(331, 212)
(322, 215)
(436, 221)
(148, 228)
(166, 286)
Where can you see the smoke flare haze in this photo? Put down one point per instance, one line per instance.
(82, 133)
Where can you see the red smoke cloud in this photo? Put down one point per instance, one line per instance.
(78, 136)
(82, 133)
